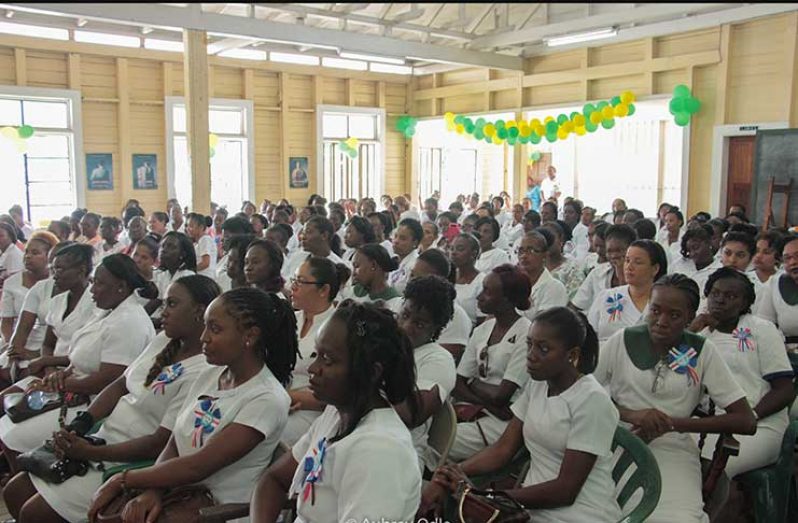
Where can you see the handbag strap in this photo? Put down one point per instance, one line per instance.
(62, 411)
(466, 490)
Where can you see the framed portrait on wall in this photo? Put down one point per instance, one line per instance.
(100, 172)
(298, 172)
(145, 171)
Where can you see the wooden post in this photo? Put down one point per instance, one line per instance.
(722, 81)
(20, 65)
(73, 71)
(195, 71)
(168, 77)
(284, 152)
(123, 128)
(790, 69)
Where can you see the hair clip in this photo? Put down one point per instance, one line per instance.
(360, 328)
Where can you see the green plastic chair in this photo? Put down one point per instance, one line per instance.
(118, 469)
(773, 487)
(646, 476)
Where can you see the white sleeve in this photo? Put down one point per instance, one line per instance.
(8, 309)
(206, 246)
(33, 299)
(555, 296)
(437, 370)
(607, 355)
(468, 363)
(772, 353)
(766, 309)
(594, 314)
(584, 294)
(265, 412)
(14, 261)
(516, 365)
(594, 420)
(521, 405)
(717, 378)
(458, 330)
(124, 341)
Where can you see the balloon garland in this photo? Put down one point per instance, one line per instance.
(407, 126)
(349, 147)
(213, 141)
(18, 135)
(534, 157)
(683, 105)
(552, 129)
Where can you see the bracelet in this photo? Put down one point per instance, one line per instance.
(124, 480)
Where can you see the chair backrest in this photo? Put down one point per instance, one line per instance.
(646, 476)
(443, 431)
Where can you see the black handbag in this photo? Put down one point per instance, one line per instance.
(18, 409)
(488, 506)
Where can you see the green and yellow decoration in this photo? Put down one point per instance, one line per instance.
(534, 156)
(349, 147)
(18, 135)
(406, 125)
(683, 105)
(552, 128)
(213, 141)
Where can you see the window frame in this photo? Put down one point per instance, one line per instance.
(248, 121)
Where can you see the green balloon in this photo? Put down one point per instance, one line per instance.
(502, 133)
(488, 139)
(25, 132)
(681, 91)
(551, 128)
(480, 122)
(561, 119)
(587, 109)
(523, 139)
(676, 105)
(513, 132)
(682, 119)
(692, 105)
(590, 126)
(499, 124)
(458, 119)
(601, 105)
(615, 100)
(534, 138)
(478, 134)
(511, 140)
(353, 154)
(609, 123)
(575, 113)
(551, 137)
(632, 109)
(469, 128)
(410, 132)
(536, 155)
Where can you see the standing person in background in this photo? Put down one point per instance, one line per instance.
(219, 216)
(11, 257)
(550, 186)
(16, 213)
(196, 229)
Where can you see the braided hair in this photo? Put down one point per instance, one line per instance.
(749, 294)
(683, 284)
(573, 330)
(373, 336)
(277, 344)
(203, 291)
(435, 294)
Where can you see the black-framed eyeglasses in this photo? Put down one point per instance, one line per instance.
(296, 282)
(529, 250)
(659, 376)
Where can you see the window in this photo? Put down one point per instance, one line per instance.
(232, 164)
(41, 178)
(343, 176)
(449, 171)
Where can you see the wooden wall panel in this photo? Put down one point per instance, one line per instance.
(462, 76)
(684, 43)
(98, 77)
(300, 94)
(365, 93)
(334, 91)
(463, 104)
(551, 94)
(267, 89)
(506, 99)
(701, 136)
(617, 53)
(228, 82)
(268, 170)
(146, 80)
(395, 98)
(46, 69)
(7, 73)
(665, 81)
(606, 88)
(553, 63)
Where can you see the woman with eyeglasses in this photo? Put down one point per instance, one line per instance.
(780, 298)
(314, 288)
(626, 305)
(463, 253)
(564, 269)
(697, 260)
(263, 265)
(546, 292)
(567, 422)
(370, 269)
(491, 374)
(657, 373)
(617, 239)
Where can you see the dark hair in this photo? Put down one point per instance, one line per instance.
(363, 226)
(749, 293)
(93, 217)
(436, 295)
(387, 224)
(741, 206)
(515, 285)
(10, 230)
(576, 204)
(274, 282)
(494, 226)
(283, 229)
(771, 236)
(449, 215)
(123, 268)
(742, 217)
(187, 252)
(277, 343)
(655, 253)
(377, 253)
(78, 214)
(240, 243)
(542, 232)
(326, 272)
(560, 228)
(676, 212)
(439, 263)
(645, 229)
(431, 201)
(203, 291)
(745, 239)
(784, 241)
(115, 222)
(161, 216)
(373, 337)
(637, 213)
(532, 216)
(600, 229)
(685, 285)
(79, 254)
(621, 231)
(414, 226)
(323, 225)
(471, 218)
(548, 203)
(720, 223)
(199, 219)
(456, 205)
(65, 228)
(746, 228)
(237, 225)
(573, 330)
(262, 219)
(488, 207)
(150, 243)
(703, 233)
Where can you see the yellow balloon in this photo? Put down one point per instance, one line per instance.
(22, 146)
(568, 127)
(627, 97)
(562, 134)
(595, 117)
(621, 110)
(579, 120)
(548, 119)
(351, 142)
(608, 112)
(460, 128)
(534, 123)
(524, 130)
(489, 129)
(497, 140)
(449, 116)
(213, 140)
(580, 131)
(9, 132)
(510, 124)
(540, 130)
(450, 126)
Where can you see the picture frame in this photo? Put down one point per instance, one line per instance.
(298, 172)
(145, 171)
(99, 172)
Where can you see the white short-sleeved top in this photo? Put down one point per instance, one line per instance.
(224, 281)
(64, 328)
(511, 233)
(434, 368)
(101, 252)
(612, 311)
(546, 293)
(687, 267)
(296, 258)
(775, 309)
(398, 279)
(260, 403)
(467, 296)
(491, 259)
(597, 280)
(581, 418)
(163, 279)
(11, 261)
(581, 240)
(506, 360)
(14, 292)
(678, 391)
(388, 246)
(38, 301)
(307, 345)
(362, 477)
(205, 245)
(139, 412)
(116, 337)
(755, 354)
(458, 330)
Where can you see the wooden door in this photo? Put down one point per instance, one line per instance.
(741, 172)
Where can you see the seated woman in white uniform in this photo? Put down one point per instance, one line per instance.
(490, 256)
(235, 260)
(354, 464)
(99, 353)
(737, 249)
(698, 259)
(563, 268)
(263, 264)
(547, 292)
(405, 246)
(314, 287)
(358, 232)
(132, 408)
(370, 269)
(204, 247)
(766, 260)
(754, 350)
(463, 252)
(780, 298)
(627, 305)
(617, 238)
(567, 422)
(227, 429)
(427, 309)
(672, 240)
(491, 374)
(176, 259)
(656, 374)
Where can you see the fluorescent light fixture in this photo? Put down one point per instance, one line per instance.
(163, 45)
(291, 58)
(275, 41)
(34, 30)
(244, 54)
(9, 14)
(576, 38)
(388, 68)
(82, 22)
(90, 37)
(146, 30)
(340, 63)
(373, 58)
(433, 60)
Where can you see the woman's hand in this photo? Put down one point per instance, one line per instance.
(70, 445)
(649, 424)
(36, 366)
(450, 477)
(703, 321)
(432, 498)
(35, 385)
(104, 495)
(55, 381)
(144, 508)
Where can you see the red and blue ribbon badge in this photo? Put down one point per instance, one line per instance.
(167, 376)
(615, 306)
(312, 468)
(207, 417)
(683, 360)
(745, 339)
